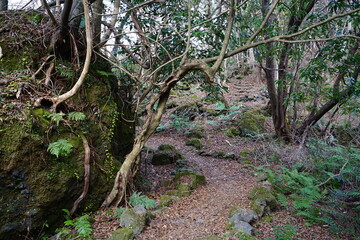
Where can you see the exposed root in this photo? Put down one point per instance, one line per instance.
(86, 175)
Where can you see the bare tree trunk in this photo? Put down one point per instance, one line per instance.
(129, 167)
(280, 93)
(97, 8)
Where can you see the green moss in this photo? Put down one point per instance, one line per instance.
(173, 193)
(195, 142)
(192, 179)
(209, 111)
(252, 122)
(260, 195)
(197, 132)
(230, 226)
(232, 132)
(245, 153)
(233, 209)
(165, 201)
(183, 190)
(122, 234)
(267, 219)
(40, 114)
(166, 147)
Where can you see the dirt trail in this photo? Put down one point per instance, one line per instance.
(205, 212)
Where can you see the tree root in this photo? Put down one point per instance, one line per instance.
(86, 175)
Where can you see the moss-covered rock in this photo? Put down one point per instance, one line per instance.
(122, 234)
(189, 111)
(251, 122)
(195, 142)
(190, 178)
(166, 154)
(165, 201)
(197, 132)
(35, 186)
(185, 182)
(232, 132)
(136, 222)
(262, 198)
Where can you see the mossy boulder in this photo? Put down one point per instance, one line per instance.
(185, 182)
(262, 198)
(130, 219)
(165, 201)
(232, 132)
(205, 111)
(166, 154)
(122, 234)
(251, 122)
(35, 186)
(189, 111)
(195, 142)
(197, 132)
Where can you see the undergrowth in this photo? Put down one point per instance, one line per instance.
(324, 189)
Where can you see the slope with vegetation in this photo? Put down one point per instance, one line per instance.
(84, 85)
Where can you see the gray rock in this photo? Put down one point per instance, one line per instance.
(129, 219)
(243, 215)
(230, 155)
(242, 227)
(140, 210)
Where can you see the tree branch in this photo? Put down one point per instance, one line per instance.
(46, 6)
(263, 22)
(281, 37)
(57, 100)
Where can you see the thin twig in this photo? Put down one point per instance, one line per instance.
(335, 175)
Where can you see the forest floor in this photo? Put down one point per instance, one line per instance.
(206, 211)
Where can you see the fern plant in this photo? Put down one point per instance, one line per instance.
(61, 147)
(76, 116)
(82, 226)
(138, 199)
(56, 117)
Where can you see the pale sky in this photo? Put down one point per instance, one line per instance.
(17, 4)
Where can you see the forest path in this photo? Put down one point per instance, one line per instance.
(205, 212)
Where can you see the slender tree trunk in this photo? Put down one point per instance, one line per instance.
(131, 164)
(97, 7)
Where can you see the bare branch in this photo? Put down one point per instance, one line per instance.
(80, 81)
(281, 37)
(319, 39)
(224, 47)
(46, 6)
